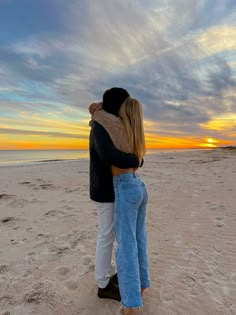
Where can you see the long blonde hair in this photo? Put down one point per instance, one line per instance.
(131, 115)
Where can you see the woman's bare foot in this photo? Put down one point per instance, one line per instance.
(142, 291)
(127, 311)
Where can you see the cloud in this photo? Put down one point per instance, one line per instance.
(52, 118)
(140, 50)
(172, 56)
(218, 39)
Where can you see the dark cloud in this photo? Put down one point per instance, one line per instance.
(31, 67)
(180, 89)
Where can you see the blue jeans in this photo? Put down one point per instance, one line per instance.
(130, 232)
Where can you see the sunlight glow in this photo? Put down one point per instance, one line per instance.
(210, 140)
(224, 123)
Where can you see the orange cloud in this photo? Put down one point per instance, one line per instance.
(37, 142)
(225, 123)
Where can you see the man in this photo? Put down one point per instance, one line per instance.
(102, 155)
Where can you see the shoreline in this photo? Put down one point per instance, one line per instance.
(38, 163)
(53, 160)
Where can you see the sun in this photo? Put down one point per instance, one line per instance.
(210, 140)
(209, 143)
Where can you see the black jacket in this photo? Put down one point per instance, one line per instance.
(103, 154)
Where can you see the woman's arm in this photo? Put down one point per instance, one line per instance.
(108, 152)
(110, 122)
(115, 129)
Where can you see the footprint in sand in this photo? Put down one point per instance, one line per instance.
(155, 253)
(18, 203)
(87, 260)
(67, 190)
(219, 221)
(55, 213)
(5, 196)
(72, 285)
(41, 186)
(7, 219)
(59, 214)
(46, 186)
(167, 296)
(208, 273)
(43, 236)
(14, 242)
(76, 238)
(7, 300)
(191, 255)
(40, 180)
(60, 250)
(37, 201)
(4, 268)
(80, 311)
(190, 281)
(212, 206)
(30, 257)
(68, 208)
(17, 227)
(63, 271)
(41, 292)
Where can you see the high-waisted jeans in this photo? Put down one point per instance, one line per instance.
(130, 232)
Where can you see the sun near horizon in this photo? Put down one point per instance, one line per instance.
(50, 131)
(153, 142)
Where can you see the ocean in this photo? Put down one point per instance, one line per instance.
(30, 157)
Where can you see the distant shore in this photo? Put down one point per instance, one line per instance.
(228, 148)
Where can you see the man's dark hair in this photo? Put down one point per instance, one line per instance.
(112, 100)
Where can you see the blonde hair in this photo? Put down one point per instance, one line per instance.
(131, 115)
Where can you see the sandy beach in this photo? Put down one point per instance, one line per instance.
(48, 229)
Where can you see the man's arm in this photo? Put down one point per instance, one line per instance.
(109, 153)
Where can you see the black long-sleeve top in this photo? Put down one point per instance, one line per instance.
(103, 154)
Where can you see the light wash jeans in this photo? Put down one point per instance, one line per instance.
(130, 232)
(104, 267)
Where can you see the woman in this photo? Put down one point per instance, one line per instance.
(127, 134)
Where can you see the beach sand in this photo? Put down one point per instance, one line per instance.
(48, 230)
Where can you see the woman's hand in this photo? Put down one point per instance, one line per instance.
(95, 106)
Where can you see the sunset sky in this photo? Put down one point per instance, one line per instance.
(178, 57)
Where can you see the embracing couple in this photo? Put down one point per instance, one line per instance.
(117, 147)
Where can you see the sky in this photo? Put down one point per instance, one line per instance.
(177, 57)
